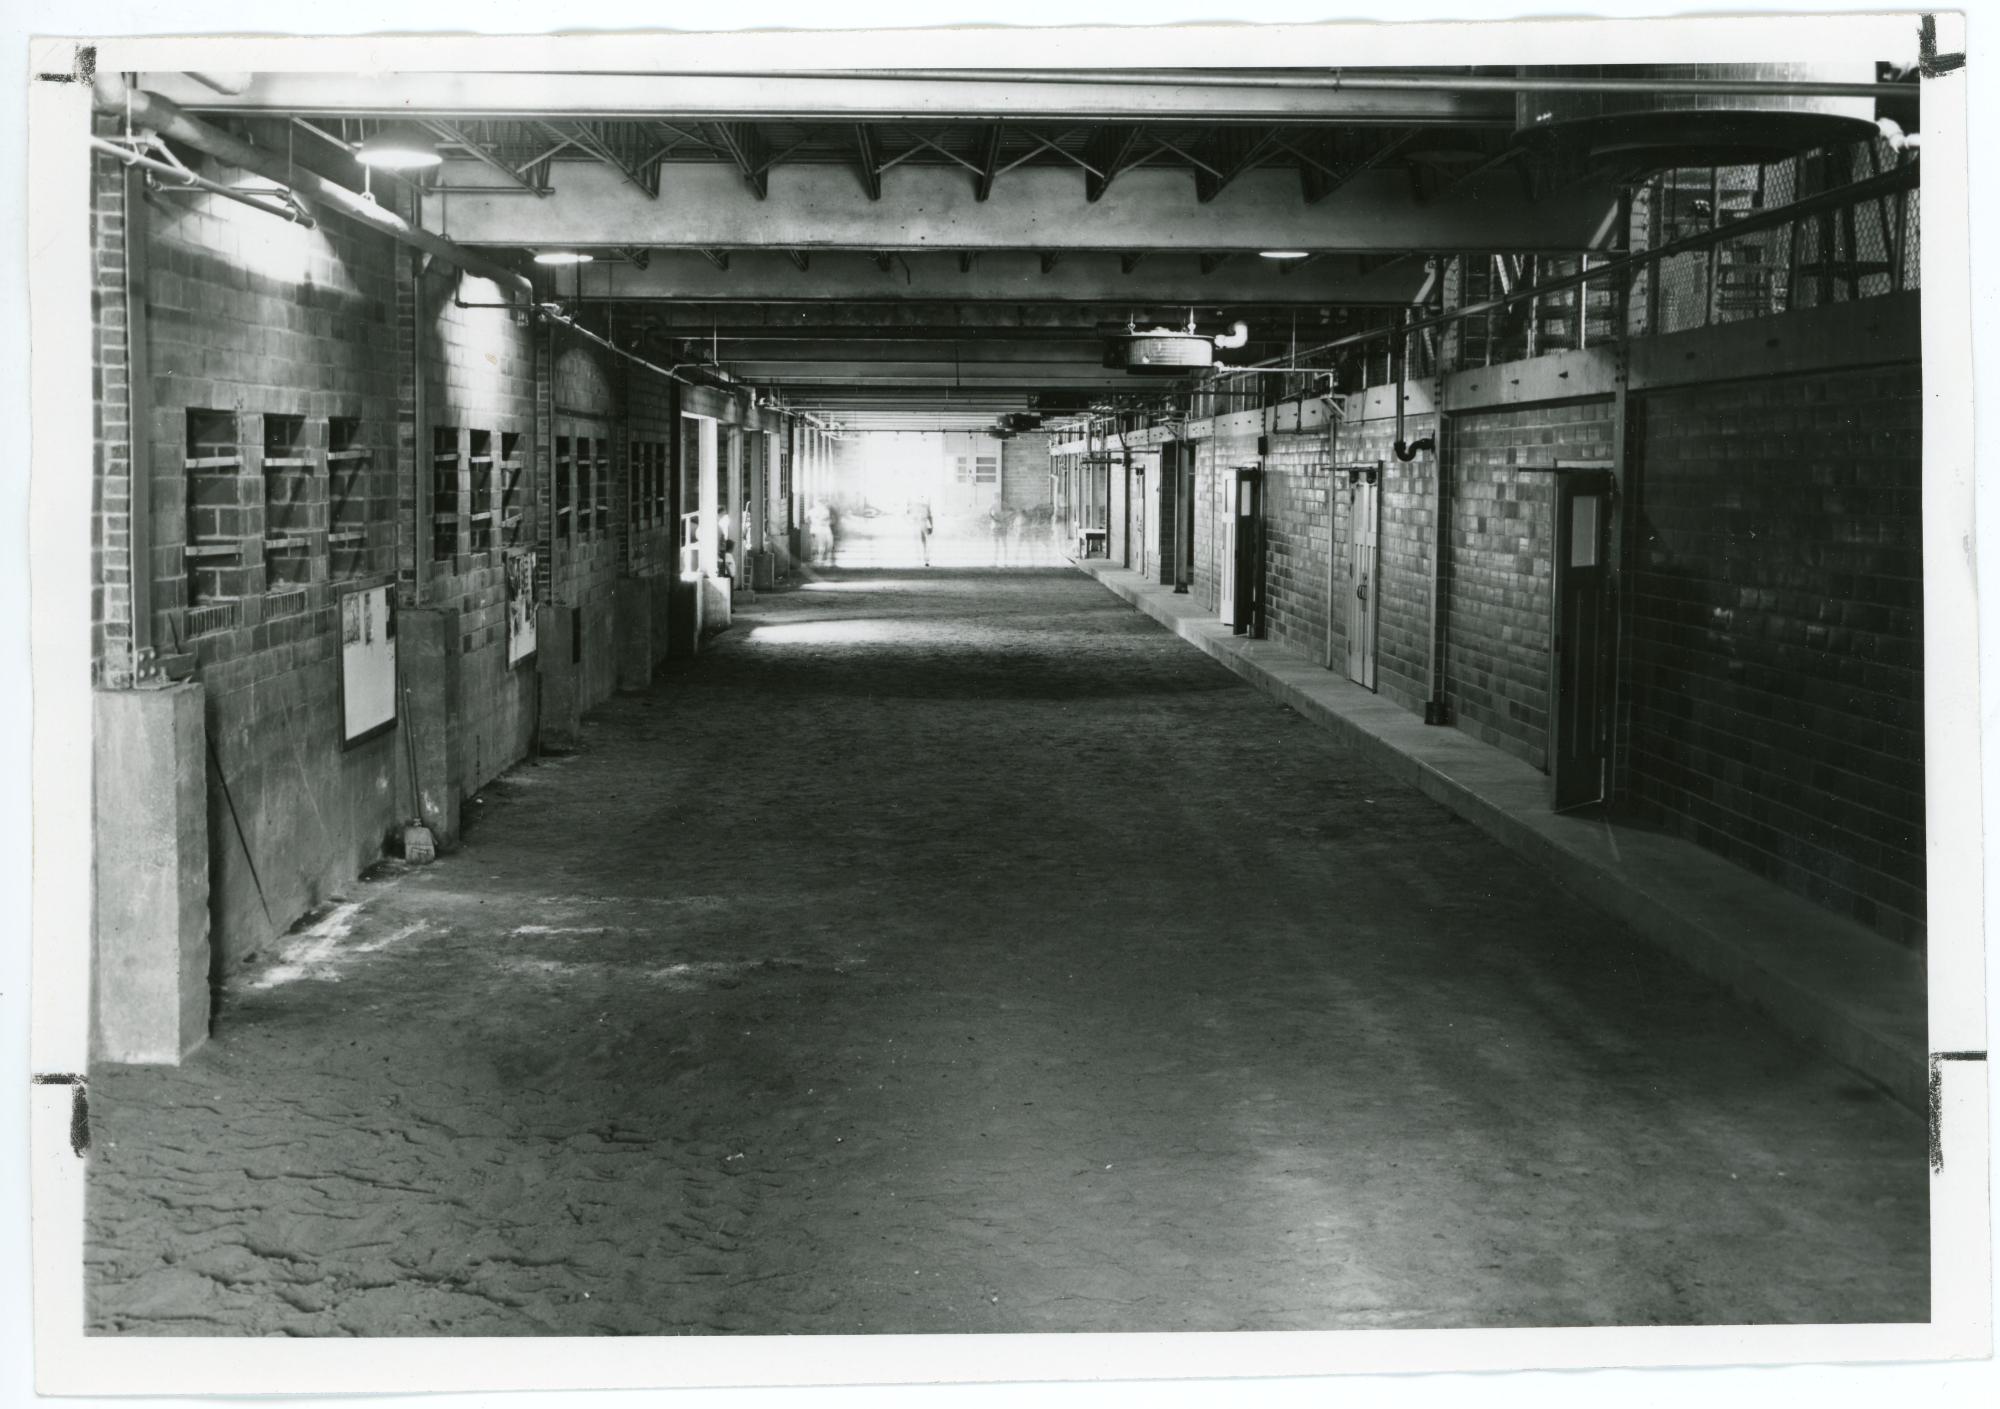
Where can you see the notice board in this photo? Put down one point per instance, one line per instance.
(520, 606)
(367, 663)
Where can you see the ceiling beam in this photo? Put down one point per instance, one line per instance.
(864, 152)
(989, 164)
(1128, 262)
(1049, 260)
(705, 205)
(454, 134)
(1167, 279)
(801, 258)
(745, 146)
(832, 97)
(1237, 151)
(1109, 151)
(1319, 180)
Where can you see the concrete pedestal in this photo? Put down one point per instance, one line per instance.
(716, 594)
(634, 631)
(684, 618)
(561, 724)
(150, 831)
(430, 710)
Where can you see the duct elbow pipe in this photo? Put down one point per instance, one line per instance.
(1235, 337)
(1408, 450)
(230, 84)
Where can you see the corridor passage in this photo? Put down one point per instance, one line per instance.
(960, 952)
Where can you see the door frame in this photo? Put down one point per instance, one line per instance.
(1376, 474)
(1571, 478)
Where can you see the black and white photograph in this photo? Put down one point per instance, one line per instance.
(1141, 702)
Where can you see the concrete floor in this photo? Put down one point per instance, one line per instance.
(961, 952)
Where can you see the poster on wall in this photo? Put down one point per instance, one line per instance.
(367, 663)
(520, 606)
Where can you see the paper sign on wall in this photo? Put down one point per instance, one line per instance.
(520, 606)
(367, 663)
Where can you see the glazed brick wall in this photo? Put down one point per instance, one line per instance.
(1497, 596)
(1775, 668)
(1296, 543)
(1207, 526)
(1406, 535)
(251, 316)
(1024, 471)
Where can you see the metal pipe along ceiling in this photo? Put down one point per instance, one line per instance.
(118, 98)
(1337, 80)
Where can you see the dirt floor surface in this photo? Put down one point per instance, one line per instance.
(958, 951)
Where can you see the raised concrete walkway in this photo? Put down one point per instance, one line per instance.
(1845, 990)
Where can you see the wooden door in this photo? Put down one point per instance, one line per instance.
(1582, 639)
(1364, 576)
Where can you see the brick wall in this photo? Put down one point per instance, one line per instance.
(1775, 670)
(111, 542)
(1024, 471)
(1296, 541)
(1497, 597)
(248, 317)
(479, 370)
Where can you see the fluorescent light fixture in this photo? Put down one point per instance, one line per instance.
(1281, 254)
(563, 257)
(401, 146)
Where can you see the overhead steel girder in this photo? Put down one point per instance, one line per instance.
(1073, 376)
(812, 206)
(1165, 279)
(831, 97)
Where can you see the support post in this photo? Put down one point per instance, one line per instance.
(150, 978)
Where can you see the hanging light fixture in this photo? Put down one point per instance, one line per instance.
(563, 257)
(1281, 254)
(400, 146)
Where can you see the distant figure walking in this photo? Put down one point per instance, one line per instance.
(998, 522)
(819, 532)
(919, 511)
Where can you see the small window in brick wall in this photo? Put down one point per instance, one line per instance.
(218, 521)
(640, 500)
(603, 483)
(586, 491)
(350, 468)
(444, 493)
(512, 486)
(563, 468)
(986, 469)
(479, 515)
(294, 513)
(661, 466)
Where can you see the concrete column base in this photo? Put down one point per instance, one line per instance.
(150, 831)
(634, 631)
(684, 618)
(429, 650)
(716, 594)
(560, 729)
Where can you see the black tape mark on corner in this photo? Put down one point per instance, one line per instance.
(1935, 1116)
(1930, 63)
(83, 68)
(79, 1107)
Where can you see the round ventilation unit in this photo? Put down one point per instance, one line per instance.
(1665, 129)
(1168, 353)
